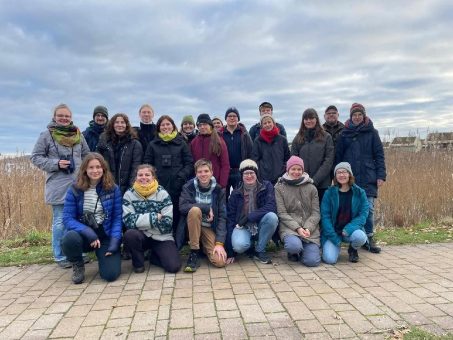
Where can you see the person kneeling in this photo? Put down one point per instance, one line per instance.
(252, 213)
(92, 214)
(344, 211)
(148, 216)
(298, 211)
(202, 203)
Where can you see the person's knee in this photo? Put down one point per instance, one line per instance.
(241, 246)
(358, 238)
(217, 262)
(292, 244)
(131, 235)
(329, 258)
(111, 275)
(194, 211)
(173, 267)
(312, 260)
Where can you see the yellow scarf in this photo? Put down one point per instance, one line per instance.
(169, 136)
(146, 190)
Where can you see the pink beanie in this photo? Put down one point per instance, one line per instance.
(294, 160)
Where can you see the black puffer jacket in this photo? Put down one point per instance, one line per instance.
(123, 158)
(173, 162)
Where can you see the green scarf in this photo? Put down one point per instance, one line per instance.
(64, 135)
(169, 136)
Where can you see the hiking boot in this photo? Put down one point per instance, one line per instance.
(65, 264)
(353, 255)
(78, 272)
(86, 259)
(293, 257)
(139, 270)
(192, 262)
(371, 246)
(263, 257)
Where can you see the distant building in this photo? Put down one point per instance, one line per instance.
(439, 141)
(413, 144)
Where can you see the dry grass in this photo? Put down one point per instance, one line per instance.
(419, 188)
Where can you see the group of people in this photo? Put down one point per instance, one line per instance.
(225, 191)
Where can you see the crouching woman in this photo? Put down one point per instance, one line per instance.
(92, 214)
(344, 210)
(148, 216)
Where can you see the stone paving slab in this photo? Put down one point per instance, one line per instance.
(402, 286)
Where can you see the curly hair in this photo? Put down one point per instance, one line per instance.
(110, 131)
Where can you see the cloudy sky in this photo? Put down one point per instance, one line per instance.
(188, 57)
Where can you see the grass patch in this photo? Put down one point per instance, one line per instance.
(34, 247)
(415, 333)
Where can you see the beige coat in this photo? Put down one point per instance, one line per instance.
(298, 206)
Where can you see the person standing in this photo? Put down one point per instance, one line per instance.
(265, 108)
(218, 125)
(332, 125)
(315, 146)
(96, 126)
(361, 146)
(188, 130)
(147, 129)
(239, 145)
(59, 152)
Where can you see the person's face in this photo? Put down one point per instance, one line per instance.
(217, 124)
(188, 127)
(342, 176)
(310, 123)
(144, 176)
(265, 110)
(249, 177)
(331, 117)
(100, 119)
(204, 174)
(357, 118)
(63, 117)
(146, 115)
(268, 124)
(119, 126)
(205, 129)
(232, 119)
(166, 127)
(94, 170)
(295, 172)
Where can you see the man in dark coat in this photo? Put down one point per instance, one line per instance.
(147, 129)
(332, 125)
(264, 108)
(360, 146)
(96, 126)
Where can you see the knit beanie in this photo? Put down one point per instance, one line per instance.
(356, 107)
(265, 104)
(331, 108)
(294, 160)
(266, 116)
(248, 164)
(343, 165)
(204, 118)
(188, 119)
(102, 110)
(232, 109)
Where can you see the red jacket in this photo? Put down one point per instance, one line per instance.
(220, 164)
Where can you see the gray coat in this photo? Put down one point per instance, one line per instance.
(45, 156)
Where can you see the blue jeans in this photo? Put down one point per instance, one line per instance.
(241, 238)
(369, 224)
(58, 230)
(311, 256)
(330, 251)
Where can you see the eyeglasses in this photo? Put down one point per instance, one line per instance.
(249, 173)
(342, 172)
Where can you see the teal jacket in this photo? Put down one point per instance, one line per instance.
(329, 211)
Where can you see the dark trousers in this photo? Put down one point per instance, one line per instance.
(321, 195)
(163, 253)
(233, 181)
(74, 244)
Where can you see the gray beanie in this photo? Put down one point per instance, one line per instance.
(344, 165)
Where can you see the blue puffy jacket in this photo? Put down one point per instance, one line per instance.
(329, 211)
(113, 210)
(361, 147)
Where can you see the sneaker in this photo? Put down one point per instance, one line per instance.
(353, 255)
(263, 257)
(192, 263)
(371, 246)
(65, 264)
(293, 257)
(139, 270)
(78, 272)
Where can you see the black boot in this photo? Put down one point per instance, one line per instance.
(371, 246)
(353, 254)
(78, 272)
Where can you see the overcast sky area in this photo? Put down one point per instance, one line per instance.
(189, 57)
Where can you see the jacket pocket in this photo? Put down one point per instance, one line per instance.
(371, 177)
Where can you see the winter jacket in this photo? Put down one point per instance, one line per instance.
(141, 213)
(173, 162)
(45, 156)
(256, 129)
(111, 203)
(334, 131)
(298, 206)
(146, 133)
(92, 134)
(329, 211)
(361, 147)
(271, 158)
(187, 201)
(130, 158)
(246, 141)
(265, 203)
(318, 156)
(220, 164)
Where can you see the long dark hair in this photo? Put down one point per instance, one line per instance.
(83, 181)
(319, 131)
(110, 131)
(161, 119)
(215, 145)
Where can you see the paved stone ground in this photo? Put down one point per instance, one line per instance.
(407, 285)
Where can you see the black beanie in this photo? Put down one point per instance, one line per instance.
(102, 110)
(204, 118)
(232, 109)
